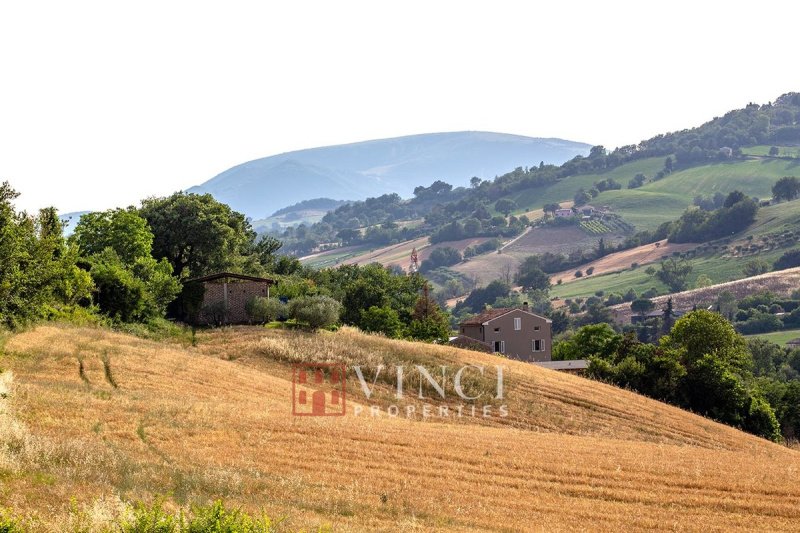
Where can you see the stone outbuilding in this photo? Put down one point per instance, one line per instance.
(225, 297)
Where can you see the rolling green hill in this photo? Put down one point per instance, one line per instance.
(718, 264)
(661, 201)
(566, 188)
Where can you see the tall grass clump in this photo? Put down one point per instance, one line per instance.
(9, 523)
(212, 518)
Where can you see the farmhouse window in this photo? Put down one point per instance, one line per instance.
(517, 324)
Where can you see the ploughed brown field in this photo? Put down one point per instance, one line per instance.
(103, 417)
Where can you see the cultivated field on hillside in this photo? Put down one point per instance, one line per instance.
(775, 231)
(665, 200)
(564, 190)
(782, 283)
(100, 416)
(641, 255)
(560, 240)
(392, 255)
(330, 258)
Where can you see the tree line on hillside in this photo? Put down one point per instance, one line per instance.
(129, 266)
(702, 364)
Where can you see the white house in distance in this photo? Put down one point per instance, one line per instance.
(564, 213)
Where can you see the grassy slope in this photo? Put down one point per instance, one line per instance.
(565, 189)
(211, 421)
(763, 149)
(779, 337)
(665, 200)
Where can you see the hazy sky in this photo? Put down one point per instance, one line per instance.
(104, 103)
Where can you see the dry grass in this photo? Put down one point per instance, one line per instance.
(214, 421)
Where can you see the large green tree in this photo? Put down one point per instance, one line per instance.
(38, 272)
(786, 188)
(122, 230)
(130, 284)
(199, 235)
(531, 276)
(675, 273)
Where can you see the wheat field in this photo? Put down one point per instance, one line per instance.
(103, 417)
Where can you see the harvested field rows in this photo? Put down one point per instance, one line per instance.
(213, 421)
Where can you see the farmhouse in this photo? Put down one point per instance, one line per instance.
(564, 213)
(225, 296)
(794, 343)
(514, 332)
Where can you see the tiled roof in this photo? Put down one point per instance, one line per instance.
(222, 275)
(489, 314)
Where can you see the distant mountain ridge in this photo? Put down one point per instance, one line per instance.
(372, 168)
(70, 220)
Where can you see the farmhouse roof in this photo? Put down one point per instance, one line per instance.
(794, 342)
(493, 314)
(221, 275)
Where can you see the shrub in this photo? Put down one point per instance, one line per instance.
(755, 267)
(212, 518)
(652, 292)
(9, 524)
(263, 310)
(590, 271)
(642, 306)
(775, 308)
(315, 311)
(446, 256)
(215, 518)
(578, 274)
(630, 295)
(381, 320)
(792, 320)
(760, 322)
(790, 259)
(151, 519)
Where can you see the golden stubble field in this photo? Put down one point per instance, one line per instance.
(103, 417)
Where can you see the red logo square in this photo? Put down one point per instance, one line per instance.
(318, 389)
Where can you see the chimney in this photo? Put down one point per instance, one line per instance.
(525, 306)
